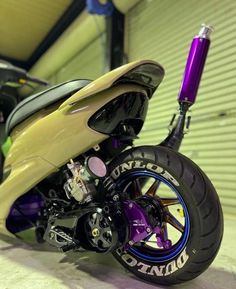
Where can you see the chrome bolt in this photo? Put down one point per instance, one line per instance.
(130, 205)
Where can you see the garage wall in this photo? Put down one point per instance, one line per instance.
(162, 30)
(86, 64)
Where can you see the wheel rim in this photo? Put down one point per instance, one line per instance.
(145, 250)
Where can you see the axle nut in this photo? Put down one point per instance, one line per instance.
(95, 232)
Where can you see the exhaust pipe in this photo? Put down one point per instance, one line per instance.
(195, 65)
(189, 87)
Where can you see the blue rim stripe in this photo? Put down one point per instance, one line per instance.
(186, 233)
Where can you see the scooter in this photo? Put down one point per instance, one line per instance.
(72, 172)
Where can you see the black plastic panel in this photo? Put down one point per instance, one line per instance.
(127, 109)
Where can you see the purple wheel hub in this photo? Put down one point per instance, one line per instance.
(166, 215)
(140, 225)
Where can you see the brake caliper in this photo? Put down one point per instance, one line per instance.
(144, 216)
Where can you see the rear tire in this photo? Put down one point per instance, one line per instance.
(205, 228)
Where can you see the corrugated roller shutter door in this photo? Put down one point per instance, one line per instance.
(162, 30)
(87, 64)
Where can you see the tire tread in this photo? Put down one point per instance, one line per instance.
(202, 195)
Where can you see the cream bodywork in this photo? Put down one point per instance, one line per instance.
(48, 139)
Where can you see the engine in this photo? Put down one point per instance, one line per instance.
(79, 221)
(80, 183)
(76, 219)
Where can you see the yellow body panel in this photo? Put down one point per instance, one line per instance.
(42, 146)
(51, 137)
(106, 81)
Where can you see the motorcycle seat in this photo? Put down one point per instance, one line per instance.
(40, 100)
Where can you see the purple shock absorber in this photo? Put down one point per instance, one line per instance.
(195, 65)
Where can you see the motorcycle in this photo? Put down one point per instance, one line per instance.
(72, 172)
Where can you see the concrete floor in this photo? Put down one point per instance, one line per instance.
(32, 266)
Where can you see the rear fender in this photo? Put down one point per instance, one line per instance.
(145, 73)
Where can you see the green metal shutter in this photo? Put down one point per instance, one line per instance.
(87, 64)
(162, 30)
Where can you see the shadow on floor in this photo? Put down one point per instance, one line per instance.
(92, 270)
(27, 242)
(107, 270)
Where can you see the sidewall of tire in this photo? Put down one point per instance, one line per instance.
(183, 266)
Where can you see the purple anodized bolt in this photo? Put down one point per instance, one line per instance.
(195, 65)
